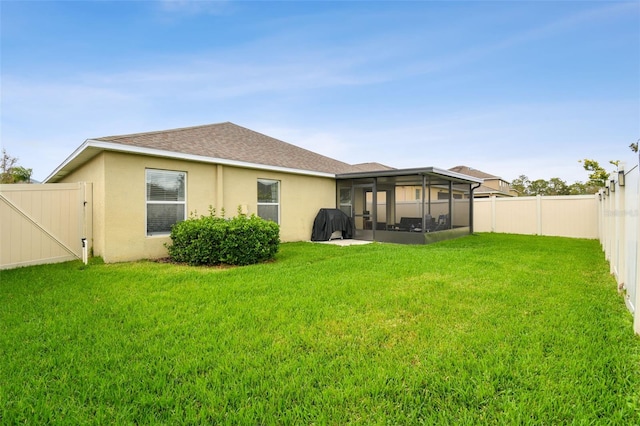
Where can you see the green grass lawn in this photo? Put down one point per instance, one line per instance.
(489, 328)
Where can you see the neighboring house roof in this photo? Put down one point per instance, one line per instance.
(372, 167)
(486, 189)
(466, 170)
(223, 143)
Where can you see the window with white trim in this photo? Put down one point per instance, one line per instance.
(269, 199)
(166, 201)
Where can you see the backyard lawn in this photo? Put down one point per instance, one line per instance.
(489, 328)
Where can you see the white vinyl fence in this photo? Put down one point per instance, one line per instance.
(44, 223)
(573, 216)
(619, 234)
(610, 216)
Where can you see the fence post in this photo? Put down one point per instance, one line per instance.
(539, 214)
(493, 213)
(634, 215)
(621, 219)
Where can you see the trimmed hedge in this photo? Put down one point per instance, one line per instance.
(212, 240)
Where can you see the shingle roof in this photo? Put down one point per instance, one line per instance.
(372, 167)
(232, 142)
(466, 170)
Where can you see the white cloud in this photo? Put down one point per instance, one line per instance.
(270, 83)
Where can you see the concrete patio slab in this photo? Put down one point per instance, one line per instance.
(344, 242)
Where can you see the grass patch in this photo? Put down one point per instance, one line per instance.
(489, 328)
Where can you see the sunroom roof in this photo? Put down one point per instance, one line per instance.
(423, 171)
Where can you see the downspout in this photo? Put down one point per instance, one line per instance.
(471, 206)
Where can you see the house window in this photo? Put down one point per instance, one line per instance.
(418, 194)
(269, 199)
(166, 203)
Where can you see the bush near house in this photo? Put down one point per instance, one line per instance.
(213, 240)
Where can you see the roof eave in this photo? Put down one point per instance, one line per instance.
(433, 171)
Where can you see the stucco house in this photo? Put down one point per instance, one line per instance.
(143, 183)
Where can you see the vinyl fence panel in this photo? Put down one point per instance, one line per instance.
(564, 216)
(43, 223)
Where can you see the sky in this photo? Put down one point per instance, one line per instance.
(507, 87)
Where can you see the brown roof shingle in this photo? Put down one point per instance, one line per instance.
(372, 167)
(466, 170)
(232, 142)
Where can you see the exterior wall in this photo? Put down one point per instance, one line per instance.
(43, 223)
(498, 185)
(301, 197)
(493, 184)
(565, 216)
(125, 206)
(120, 200)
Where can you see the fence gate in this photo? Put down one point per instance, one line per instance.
(43, 223)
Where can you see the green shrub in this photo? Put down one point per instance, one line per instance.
(212, 240)
(250, 240)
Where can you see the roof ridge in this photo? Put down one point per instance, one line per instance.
(230, 141)
(157, 132)
(288, 143)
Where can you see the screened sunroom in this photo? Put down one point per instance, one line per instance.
(410, 206)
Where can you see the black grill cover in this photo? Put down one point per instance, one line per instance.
(329, 220)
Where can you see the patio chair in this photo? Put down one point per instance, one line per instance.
(410, 224)
(442, 223)
(429, 223)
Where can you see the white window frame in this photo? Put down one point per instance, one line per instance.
(148, 202)
(277, 203)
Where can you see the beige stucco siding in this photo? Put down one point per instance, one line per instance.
(125, 194)
(120, 200)
(300, 198)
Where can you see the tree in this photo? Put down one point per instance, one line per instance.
(557, 186)
(521, 185)
(10, 173)
(539, 187)
(577, 188)
(598, 177)
(554, 186)
(21, 174)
